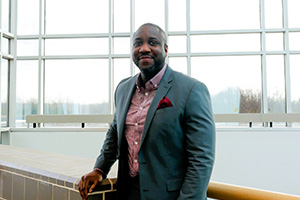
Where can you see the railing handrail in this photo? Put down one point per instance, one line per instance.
(258, 117)
(69, 118)
(242, 118)
(232, 192)
(38, 119)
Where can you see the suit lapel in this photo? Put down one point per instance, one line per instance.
(162, 90)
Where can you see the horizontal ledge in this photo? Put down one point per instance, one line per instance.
(6, 34)
(7, 56)
(219, 129)
(170, 33)
(114, 56)
(69, 118)
(243, 117)
(58, 129)
(249, 117)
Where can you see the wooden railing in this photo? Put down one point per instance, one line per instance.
(249, 118)
(223, 191)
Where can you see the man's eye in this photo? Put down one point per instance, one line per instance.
(153, 43)
(137, 44)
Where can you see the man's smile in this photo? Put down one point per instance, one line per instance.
(145, 57)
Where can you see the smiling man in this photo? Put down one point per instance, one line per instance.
(163, 132)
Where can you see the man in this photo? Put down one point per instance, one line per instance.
(163, 131)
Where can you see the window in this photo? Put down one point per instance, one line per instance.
(4, 92)
(246, 52)
(275, 78)
(28, 47)
(233, 81)
(76, 86)
(76, 16)
(28, 22)
(80, 46)
(222, 15)
(225, 43)
(27, 90)
(295, 82)
(5, 15)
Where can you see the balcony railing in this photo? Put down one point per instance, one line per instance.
(249, 118)
(231, 192)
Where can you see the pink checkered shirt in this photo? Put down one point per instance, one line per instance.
(136, 117)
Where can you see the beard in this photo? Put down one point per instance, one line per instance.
(153, 69)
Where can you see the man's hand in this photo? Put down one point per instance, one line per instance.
(94, 177)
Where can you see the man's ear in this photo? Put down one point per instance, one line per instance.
(166, 48)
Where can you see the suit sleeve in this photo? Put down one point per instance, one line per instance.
(199, 130)
(109, 151)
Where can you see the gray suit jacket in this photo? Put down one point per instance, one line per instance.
(177, 149)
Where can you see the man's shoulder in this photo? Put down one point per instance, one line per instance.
(127, 80)
(184, 79)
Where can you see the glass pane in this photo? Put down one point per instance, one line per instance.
(220, 14)
(81, 46)
(155, 15)
(275, 83)
(28, 17)
(28, 48)
(178, 64)
(294, 14)
(4, 90)
(5, 45)
(76, 86)
(274, 41)
(89, 16)
(234, 82)
(177, 15)
(121, 45)
(136, 70)
(295, 82)
(177, 44)
(225, 43)
(27, 90)
(121, 16)
(5, 15)
(294, 38)
(121, 70)
(273, 13)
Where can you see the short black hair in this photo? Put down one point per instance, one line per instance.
(163, 33)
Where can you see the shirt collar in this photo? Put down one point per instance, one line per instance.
(155, 81)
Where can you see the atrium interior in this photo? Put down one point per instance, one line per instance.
(66, 57)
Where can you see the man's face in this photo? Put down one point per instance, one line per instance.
(149, 50)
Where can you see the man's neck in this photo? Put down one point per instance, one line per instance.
(148, 75)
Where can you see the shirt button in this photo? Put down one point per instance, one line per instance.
(155, 85)
(146, 93)
(141, 108)
(136, 124)
(135, 142)
(135, 161)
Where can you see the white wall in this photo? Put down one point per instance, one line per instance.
(82, 144)
(265, 159)
(259, 158)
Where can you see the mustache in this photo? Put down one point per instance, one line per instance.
(145, 55)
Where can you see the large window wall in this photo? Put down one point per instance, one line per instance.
(72, 54)
(6, 57)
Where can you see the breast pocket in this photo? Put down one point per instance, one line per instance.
(166, 116)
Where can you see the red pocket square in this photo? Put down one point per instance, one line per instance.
(164, 103)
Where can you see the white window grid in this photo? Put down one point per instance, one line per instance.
(110, 56)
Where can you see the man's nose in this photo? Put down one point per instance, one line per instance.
(145, 48)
